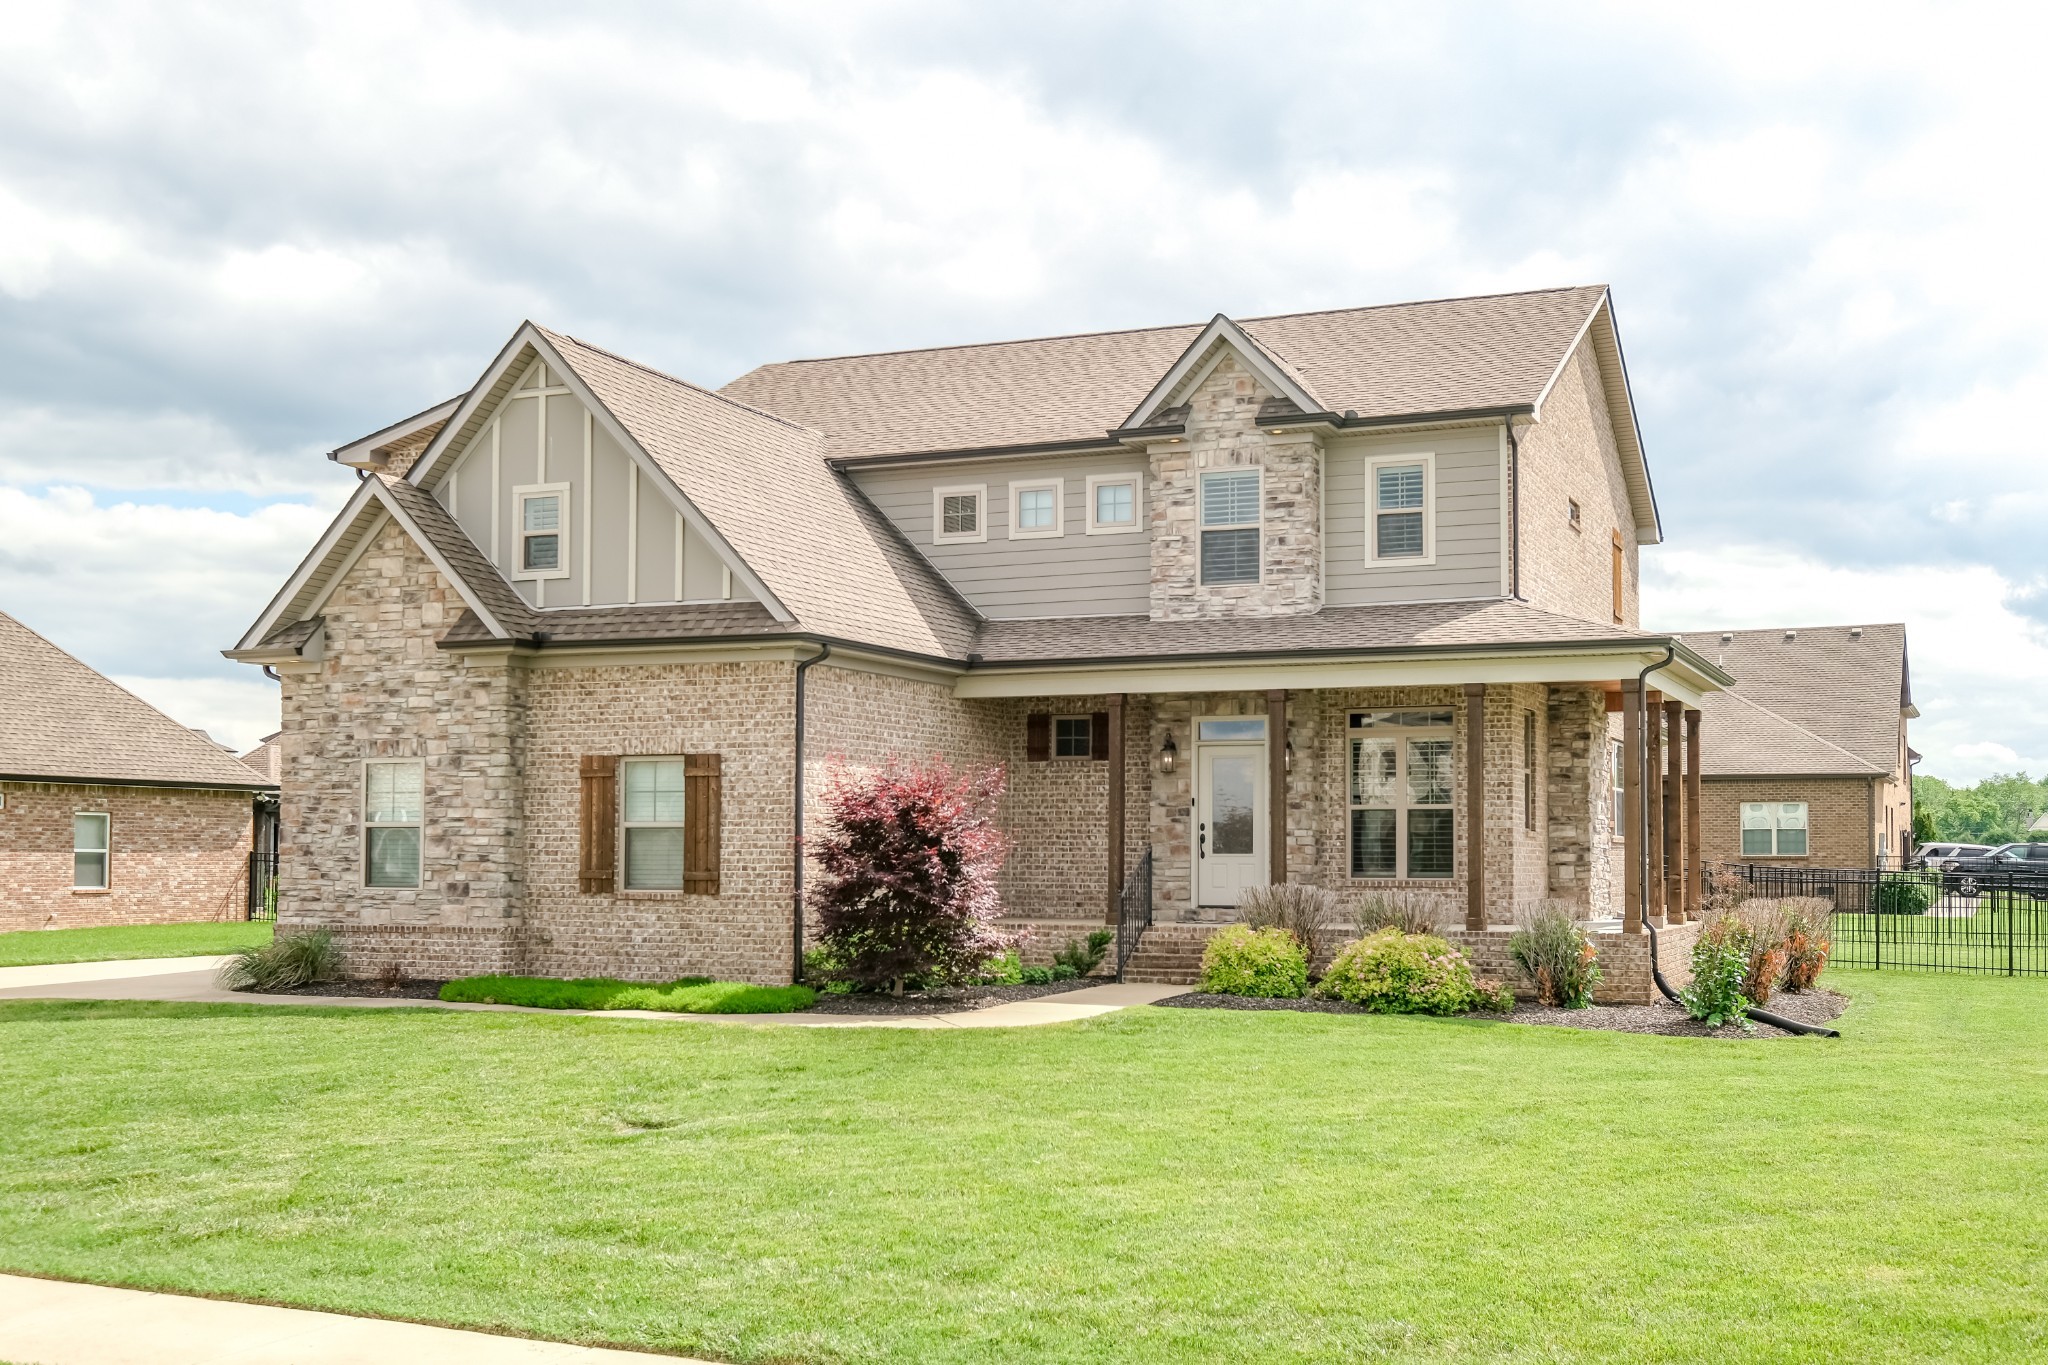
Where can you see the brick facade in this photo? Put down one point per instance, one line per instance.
(1840, 831)
(1570, 456)
(175, 855)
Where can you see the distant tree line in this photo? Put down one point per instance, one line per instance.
(1999, 810)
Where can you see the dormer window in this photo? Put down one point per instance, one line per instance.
(1230, 526)
(1401, 508)
(543, 521)
(959, 514)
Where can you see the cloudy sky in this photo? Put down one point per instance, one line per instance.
(234, 237)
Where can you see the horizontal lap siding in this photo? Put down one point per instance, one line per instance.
(1074, 574)
(1468, 527)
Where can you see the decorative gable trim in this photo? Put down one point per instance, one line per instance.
(1202, 355)
(371, 452)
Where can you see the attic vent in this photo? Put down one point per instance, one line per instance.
(1791, 635)
(1855, 632)
(1727, 637)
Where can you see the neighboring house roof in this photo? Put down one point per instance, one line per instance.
(64, 722)
(1810, 701)
(267, 759)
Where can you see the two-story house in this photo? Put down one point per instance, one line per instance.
(1346, 598)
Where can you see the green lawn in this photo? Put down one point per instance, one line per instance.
(32, 947)
(1155, 1185)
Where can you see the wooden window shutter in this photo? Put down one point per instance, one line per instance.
(703, 818)
(600, 834)
(1098, 736)
(1620, 575)
(1038, 736)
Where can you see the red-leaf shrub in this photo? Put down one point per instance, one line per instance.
(907, 885)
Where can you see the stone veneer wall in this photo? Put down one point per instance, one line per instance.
(1222, 433)
(176, 855)
(1581, 802)
(1571, 456)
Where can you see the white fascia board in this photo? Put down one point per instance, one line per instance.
(1222, 331)
(1621, 411)
(310, 565)
(430, 458)
(420, 538)
(1536, 412)
(357, 453)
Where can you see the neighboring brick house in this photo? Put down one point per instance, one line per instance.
(110, 811)
(1346, 598)
(1805, 759)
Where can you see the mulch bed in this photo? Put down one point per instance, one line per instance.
(952, 1000)
(366, 990)
(1810, 1007)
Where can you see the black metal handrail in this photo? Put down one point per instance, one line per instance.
(263, 885)
(1133, 912)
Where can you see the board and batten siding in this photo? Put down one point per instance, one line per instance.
(1467, 495)
(1072, 574)
(621, 543)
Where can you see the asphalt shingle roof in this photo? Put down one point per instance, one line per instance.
(1815, 700)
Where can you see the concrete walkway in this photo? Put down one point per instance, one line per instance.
(51, 1322)
(190, 979)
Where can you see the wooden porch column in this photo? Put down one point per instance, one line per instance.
(1631, 812)
(1653, 804)
(1475, 805)
(1675, 845)
(1695, 894)
(1276, 787)
(1116, 807)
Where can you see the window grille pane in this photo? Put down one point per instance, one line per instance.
(1250, 727)
(544, 514)
(1429, 772)
(1115, 504)
(89, 833)
(1372, 774)
(1400, 535)
(1792, 842)
(1230, 556)
(1372, 843)
(1756, 843)
(1034, 509)
(1072, 737)
(541, 552)
(89, 871)
(654, 790)
(1230, 499)
(1399, 486)
(393, 856)
(393, 792)
(961, 514)
(1429, 843)
(654, 859)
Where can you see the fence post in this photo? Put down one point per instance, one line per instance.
(2012, 914)
(1874, 908)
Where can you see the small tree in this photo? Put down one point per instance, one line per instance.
(908, 873)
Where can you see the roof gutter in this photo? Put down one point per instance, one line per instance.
(1351, 421)
(176, 784)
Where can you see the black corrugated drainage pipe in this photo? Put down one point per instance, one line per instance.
(1643, 880)
(796, 901)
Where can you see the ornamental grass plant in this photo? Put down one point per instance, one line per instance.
(1809, 938)
(288, 961)
(1309, 913)
(1556, 955)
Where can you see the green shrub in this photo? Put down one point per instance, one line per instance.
(1004, 969)
(1903, 895)
(1084, 955)
(287, 961)
(1063, 971)
(1720, 967)
(1241, 960)
(1495, 997)
(1557, 957)
(1307, 912)
(1395, 973)
(1809, 938)
(1035, 976)
(822, 972)
(689, 995)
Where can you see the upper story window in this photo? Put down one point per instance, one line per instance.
(654, 824)
(960, 514)
(393, 806)
(1400, 489)
(1230, 526)
(1774, 829)
(542, 516)
(1037, 509)
(89, 852)
(1112, 503)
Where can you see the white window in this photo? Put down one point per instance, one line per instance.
(541, 512)
(1230, 526)
(393, 803)
(1402, 820)
(1037, 509)
(1112, 504)
(1618, 766)
(1400, 488)
(89, 852)
(1073, 737)
(654, 824)
(1774, 829)
(960, 514)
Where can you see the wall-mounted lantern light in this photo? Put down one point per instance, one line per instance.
(1287, 756)
(1169, 754)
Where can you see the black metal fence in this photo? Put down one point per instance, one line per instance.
(1922, 921)
(1133, 912)
(263, 885)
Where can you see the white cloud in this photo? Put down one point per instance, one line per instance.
(237, 713)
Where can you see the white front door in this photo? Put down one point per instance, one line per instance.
(1230, 821)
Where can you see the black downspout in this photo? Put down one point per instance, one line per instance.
(796, 905)
(1514, 508)
(1643, 876)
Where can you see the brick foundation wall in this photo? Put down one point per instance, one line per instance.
(1839, 832)
(176, 855)
(1624, 962)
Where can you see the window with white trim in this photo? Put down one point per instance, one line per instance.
(653, 823)
(1617, 768)
(1774, 829)
(90, 854)
(1073, 737)
(1112, 503)
(393, 807)
(1037, 509)
(540, 512)
(1230, 526)
(959, 514)
(1402, 821)
(1400, 487)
